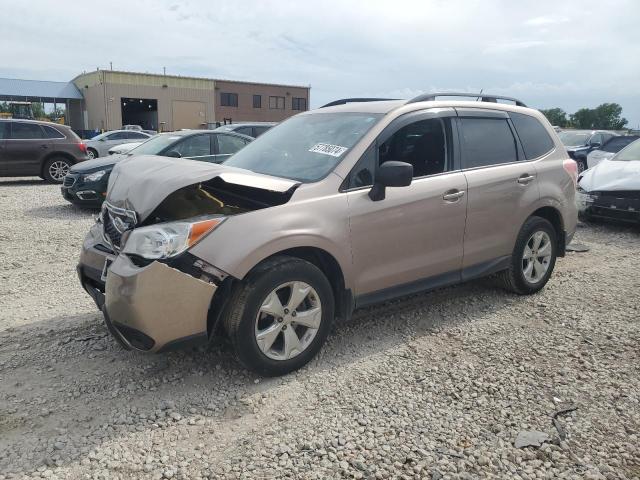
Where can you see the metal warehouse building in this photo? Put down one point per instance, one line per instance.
(108, 99)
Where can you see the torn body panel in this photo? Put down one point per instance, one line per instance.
(155, 305)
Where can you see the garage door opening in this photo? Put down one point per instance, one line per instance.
(140, 111)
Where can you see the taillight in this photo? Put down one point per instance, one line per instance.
(83, 147)
(571, 168)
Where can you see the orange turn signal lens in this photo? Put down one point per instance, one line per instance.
(200, 229)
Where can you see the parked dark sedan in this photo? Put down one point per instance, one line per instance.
(43, 149)
(86, 184)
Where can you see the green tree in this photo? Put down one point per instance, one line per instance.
(4, 107)
(38, 110)
(556, 116)
(608, 116)
(584, 118)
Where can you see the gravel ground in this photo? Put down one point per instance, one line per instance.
(432, 386)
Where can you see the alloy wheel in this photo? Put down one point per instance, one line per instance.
(288, 320)
(536, 257)
(58, 170)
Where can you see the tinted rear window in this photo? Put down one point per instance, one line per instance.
(487, 141)
(618, 143)
(51, 132)
(533, 136)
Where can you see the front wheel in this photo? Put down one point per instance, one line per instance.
(55, 169)
(582, 165)
(280, 316)
(533, 258)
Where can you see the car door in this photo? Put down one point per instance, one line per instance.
(502, 187)
(226, 145)
(4, 133)
(196, 147)
(25, 148)
(413, 238)
(112, 140)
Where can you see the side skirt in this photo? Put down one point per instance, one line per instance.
(431, 283)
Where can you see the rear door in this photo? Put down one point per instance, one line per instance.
(502, 186)
(227, 145)
(25, 148)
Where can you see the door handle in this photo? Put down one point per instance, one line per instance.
(526, 179)
(453, 195)
(44, 146)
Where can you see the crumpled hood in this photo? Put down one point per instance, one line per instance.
(611, 175)
(96, 163)
(140, 183)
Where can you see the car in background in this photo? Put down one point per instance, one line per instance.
(86, 185)
(580, 142)
(611, 189)
(34, 148)
(99, 145)
(124, 148)
(609, 149)
(254, 129)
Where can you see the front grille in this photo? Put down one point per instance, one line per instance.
(110, 230)
(69, 180)
(635, 194)
(116, 221)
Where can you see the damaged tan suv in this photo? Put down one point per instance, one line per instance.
(348, 205)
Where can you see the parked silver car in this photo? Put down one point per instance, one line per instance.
(99, 145)
(609, 149)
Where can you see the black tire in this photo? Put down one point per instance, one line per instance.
(92, 153)
(513, 278)
(248, 297)
(51, 172)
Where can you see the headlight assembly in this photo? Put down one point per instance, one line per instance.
(95, 176)
(165, 240)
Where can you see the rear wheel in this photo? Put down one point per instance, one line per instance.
(55, 169)
(582, 165)
(533, 258)
(91, 153)
(280, 316)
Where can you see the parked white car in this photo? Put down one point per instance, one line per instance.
(609, 149)
(99, 145)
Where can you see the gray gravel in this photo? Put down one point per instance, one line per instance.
(432, 386)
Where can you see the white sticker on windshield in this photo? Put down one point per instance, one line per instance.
(328, 149)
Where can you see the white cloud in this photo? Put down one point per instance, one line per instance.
(545, 21)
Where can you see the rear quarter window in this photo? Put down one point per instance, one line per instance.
(534, 138)
(51, 132)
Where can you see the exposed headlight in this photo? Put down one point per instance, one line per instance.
(581, 190)
(95, 176)
(165, 240)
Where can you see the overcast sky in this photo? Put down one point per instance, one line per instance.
(562, 53)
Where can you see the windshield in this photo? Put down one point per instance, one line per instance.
(617, 143)
(306, 147)
(572, 139)
(630, 153)
(155, 145)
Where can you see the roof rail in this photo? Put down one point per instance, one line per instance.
(483, 97)
(344, 101)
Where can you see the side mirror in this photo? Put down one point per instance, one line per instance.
(390, 174)
(596, 145)
(173, 154)
(102, 139)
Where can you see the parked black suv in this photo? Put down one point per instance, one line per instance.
(580, 143)
(86, 184)
(45, 149)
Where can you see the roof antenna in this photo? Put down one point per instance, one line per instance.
(479, 95)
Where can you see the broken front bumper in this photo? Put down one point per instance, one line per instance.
(156, 307)
(623, 206)
(94, 255)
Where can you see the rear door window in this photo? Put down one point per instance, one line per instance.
(534, 138)
(487, 141)
(26, 131)
(136, 136)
